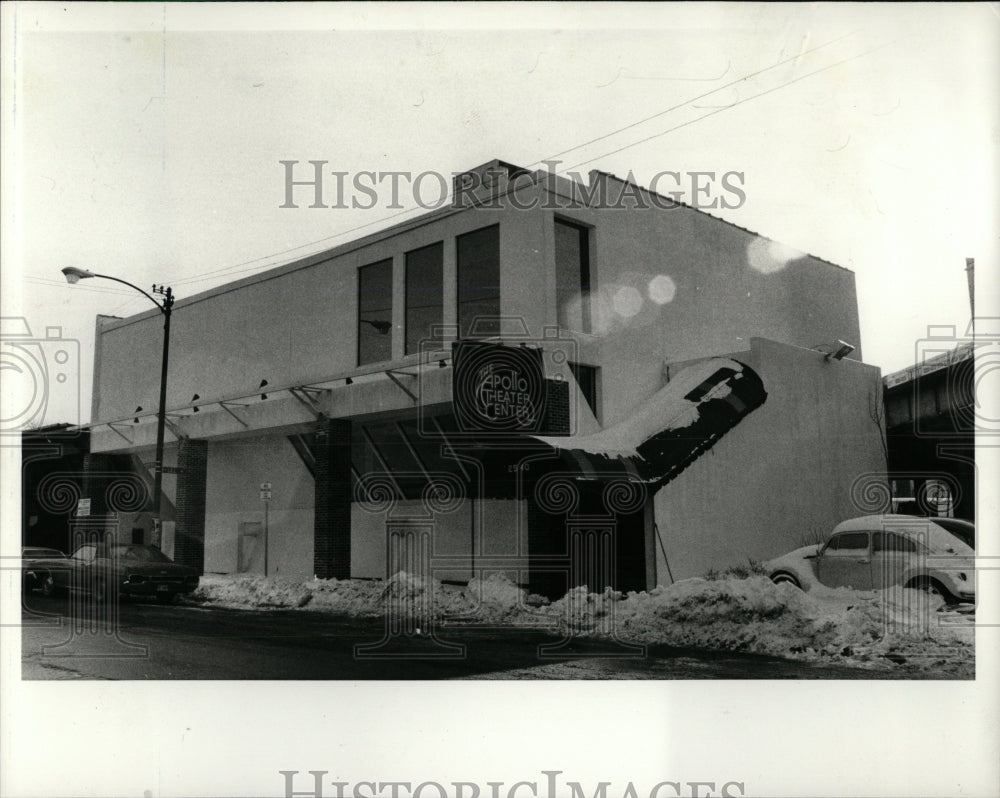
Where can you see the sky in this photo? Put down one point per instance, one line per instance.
(145, 140)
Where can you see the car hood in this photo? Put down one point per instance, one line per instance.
(46, 561)
(796, 556)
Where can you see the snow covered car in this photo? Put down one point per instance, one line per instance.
(104, 571)
(875, 552)
(34, 570)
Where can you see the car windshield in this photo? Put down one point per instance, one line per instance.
(140, 553)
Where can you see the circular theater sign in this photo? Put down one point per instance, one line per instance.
(498, 388)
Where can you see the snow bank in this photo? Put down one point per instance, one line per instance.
(877, 629)
(883, 629)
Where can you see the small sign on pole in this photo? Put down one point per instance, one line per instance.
(265, 496)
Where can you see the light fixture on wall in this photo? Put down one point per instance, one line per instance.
(260, 387)
(843, 350)
(195, 398)
(834, 351)
(137, 411)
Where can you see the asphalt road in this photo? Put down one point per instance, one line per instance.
(64, 639)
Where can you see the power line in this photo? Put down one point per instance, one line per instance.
(239, 267)
(728, 107)
(249, 265)
(695, 99)
(95, 289)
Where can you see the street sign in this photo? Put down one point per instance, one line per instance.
(83, 507)
(265, 495)
(265, 485)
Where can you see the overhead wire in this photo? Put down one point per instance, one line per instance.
(251, 264)
(246, 266)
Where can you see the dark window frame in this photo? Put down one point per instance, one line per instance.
(406, 293)
(463, 333)
(584, 233)
(358, 327)
(838, 538)
(893, 543)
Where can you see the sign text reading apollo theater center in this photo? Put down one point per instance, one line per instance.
(497, 388)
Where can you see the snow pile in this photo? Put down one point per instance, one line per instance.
(493, 599)
(754, 615)
(871, 628)
(248, 591)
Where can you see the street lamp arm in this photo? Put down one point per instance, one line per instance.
(73, 275)
(130, 285)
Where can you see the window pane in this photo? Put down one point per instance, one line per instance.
(572, 276)
(375, 312)
(851, 540)
(479, 282)
(424, 294)
(586, 378)
(899, 543)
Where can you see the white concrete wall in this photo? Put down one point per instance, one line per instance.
(236, 469)
(782, 475)
(495, 525)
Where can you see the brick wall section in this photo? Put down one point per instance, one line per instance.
(556, 419)
(332, 526)
(189, 533)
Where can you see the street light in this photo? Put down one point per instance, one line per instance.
(73, 276)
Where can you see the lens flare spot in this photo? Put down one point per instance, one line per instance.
(627, 301)
(768, 257)
(662, 289)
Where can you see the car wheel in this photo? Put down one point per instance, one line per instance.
(934, 588)
(784, 578)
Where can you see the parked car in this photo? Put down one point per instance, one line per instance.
(878, 551)
(34, 571)
(104, 571)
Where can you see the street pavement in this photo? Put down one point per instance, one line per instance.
(65, 638)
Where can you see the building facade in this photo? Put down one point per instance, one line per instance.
(931, 419)
(312, 417)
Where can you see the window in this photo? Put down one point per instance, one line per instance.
(479, 282)
(586, 378)
(573, 276)
(849, 541)
(891, 542)
(424, 294)
(375, 312)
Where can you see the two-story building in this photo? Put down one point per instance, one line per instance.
(311, 415)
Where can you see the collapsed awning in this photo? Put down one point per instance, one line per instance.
(652, 446)
(667, 433)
